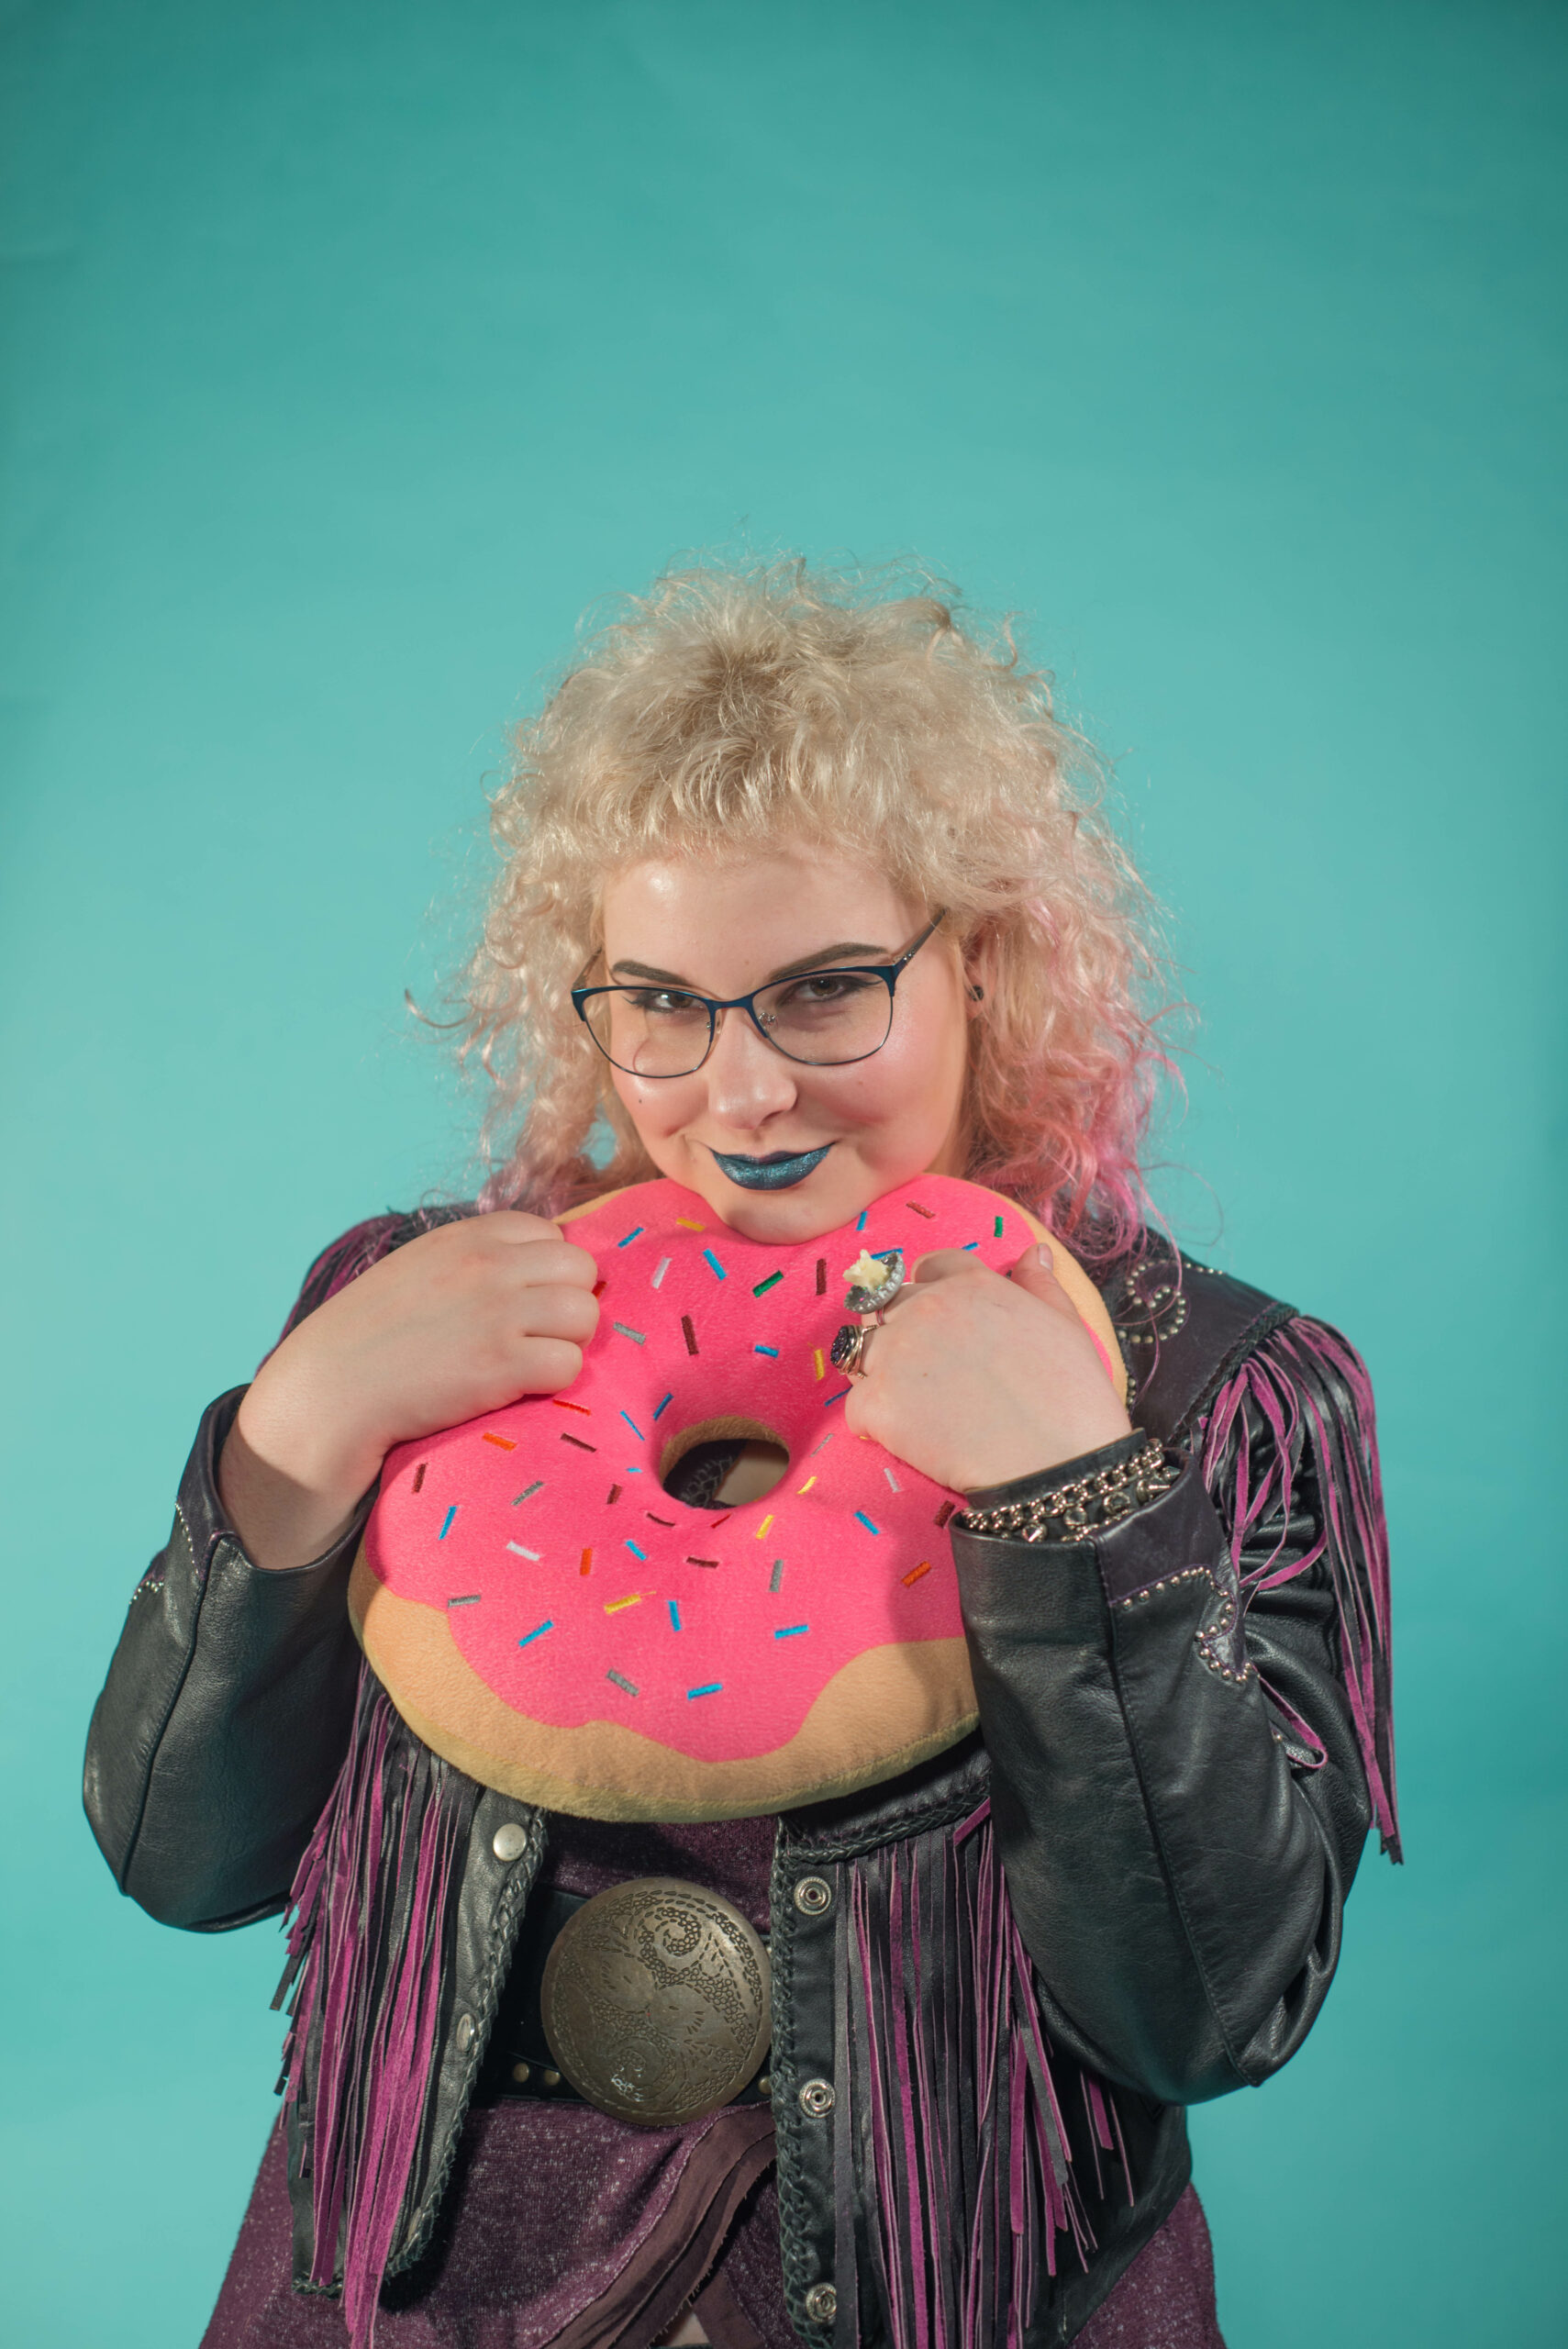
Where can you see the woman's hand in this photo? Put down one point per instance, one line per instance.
(974, 1378)
(460, 1321)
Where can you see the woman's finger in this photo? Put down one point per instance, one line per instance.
(1035, 1271)
(517, 1227)
(547, 1365)
(551, 1310)
(550, 1258)
(943, 1263)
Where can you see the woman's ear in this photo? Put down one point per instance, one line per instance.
(978, 956)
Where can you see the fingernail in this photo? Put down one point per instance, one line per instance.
(1043, 1255)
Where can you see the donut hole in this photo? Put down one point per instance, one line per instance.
(760, 1463)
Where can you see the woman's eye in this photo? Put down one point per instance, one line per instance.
(825, 987)
(662, 1000)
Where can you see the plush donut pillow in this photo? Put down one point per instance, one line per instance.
(547, 1617)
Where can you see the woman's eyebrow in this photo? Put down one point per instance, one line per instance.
(814, 961)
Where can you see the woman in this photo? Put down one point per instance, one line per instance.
(998, 1979)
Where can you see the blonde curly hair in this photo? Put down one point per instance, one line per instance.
(731, 708)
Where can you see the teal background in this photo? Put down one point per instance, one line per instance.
(350, 350)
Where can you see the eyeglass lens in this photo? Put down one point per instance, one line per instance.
(821, 1018)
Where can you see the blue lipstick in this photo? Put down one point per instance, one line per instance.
(780, 1171)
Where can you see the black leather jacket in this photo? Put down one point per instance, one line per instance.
(1178, 1858)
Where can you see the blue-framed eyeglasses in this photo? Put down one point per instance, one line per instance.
(824, 1018)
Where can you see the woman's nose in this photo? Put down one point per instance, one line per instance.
(748, 1081)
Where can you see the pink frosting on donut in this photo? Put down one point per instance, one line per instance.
(574, 1587)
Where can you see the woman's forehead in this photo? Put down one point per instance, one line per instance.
(791, 883)
(738, 917)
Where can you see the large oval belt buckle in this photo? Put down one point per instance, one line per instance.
(656, 2002)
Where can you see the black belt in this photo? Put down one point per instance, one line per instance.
(657, 2005)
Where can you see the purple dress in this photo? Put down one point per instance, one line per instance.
(563, 2226)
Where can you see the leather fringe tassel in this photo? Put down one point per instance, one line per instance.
(966, 2156)
(370, 1923)
(1300, 1412)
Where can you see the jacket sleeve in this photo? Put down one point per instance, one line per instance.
(225, 1715)
(1178, 1787)
(230, 1696)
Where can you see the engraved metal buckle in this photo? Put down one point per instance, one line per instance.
(656, 2002)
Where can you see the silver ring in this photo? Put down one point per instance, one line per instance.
(849, 1347)
(867, 1300)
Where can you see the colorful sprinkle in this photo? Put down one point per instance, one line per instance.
(861, 1220)
(637, 1337)
(823, 1445)
(948, 1509)
(916, 1208)
(915, 1572)
(659, 1276)
(667, 1522)
(599, 1289)
(702, 1562)
(675, 1617)
(722, 1520)
(665, 1404)
(685, 1223)
(517, 1551)
(688, 1333)
(633, 1426)
(866, 1521)
(762, 1287)
(766, 1350)
(807, 1486)
(996, 1228)
(561, 1406)
(578, 1442)
(892, 1480)
(631, 1236)
(529, 1490)
(718, 1272)
(537, 1633)
(819, 1366)
(622, 1682)
(502, 1442)
(969, 1244)
(470, 1600)
(775, 1580)
(791, 1631)
(612, 1496)
(617, 1606)
(763, 1527)
(834, 1398)
(446, 1522)
(586, 1564)
(822, 1275)
(419, 1474)
(637, 1552)
(711, 1689)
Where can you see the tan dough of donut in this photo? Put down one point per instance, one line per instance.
(604, 1770)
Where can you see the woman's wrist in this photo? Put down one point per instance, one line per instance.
(289, 1502)
(1007, 1446)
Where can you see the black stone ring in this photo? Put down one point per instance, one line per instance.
(849, 1347)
